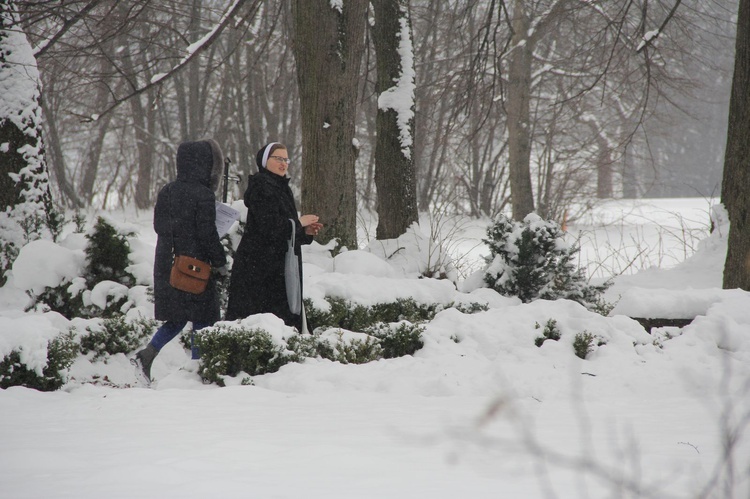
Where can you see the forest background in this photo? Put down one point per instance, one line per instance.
(465, 107)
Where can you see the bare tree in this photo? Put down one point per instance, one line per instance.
(460, 144)
(600, 83)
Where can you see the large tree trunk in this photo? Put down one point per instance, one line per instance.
(394, 146)
(735, 189)
(517, 105)
(328, 46)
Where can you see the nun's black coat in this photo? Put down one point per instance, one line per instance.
(257, 284)
(185, 215)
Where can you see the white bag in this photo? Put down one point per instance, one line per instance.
(292, 276)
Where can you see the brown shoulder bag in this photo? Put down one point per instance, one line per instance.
(189, 274)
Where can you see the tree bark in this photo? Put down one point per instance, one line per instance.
(603, 169)
(735, 189)
(394, 145)
(194, 76)
(518, 102)
(328, 45)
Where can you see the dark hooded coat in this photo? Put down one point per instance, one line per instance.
(185, 216)
(257, 284)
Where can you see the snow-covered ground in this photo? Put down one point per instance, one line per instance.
(479, 412)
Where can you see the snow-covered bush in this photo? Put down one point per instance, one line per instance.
(583, 344)
(59, 299)
(116, 335)
(231, 349)
(356, 317)
(398, 340)
(228, 350)
(470, 308)
(311, 346)
(532, 260)
(107, 255)
(100, 289)
(15, 368)
(352, 348)
(550, 332)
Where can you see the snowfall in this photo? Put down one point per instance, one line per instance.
(479, 412)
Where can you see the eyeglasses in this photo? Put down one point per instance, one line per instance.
(283, 160)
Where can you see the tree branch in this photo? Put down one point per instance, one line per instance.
(193, 51)
(47, 44)
(648, 38)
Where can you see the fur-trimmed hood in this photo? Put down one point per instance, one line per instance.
(202, 162)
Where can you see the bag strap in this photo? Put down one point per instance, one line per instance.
(294, 230)
(171, 218)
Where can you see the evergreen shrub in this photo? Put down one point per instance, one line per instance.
(404, 309)
(398, 340)
(55, 222)
(67, 300)
(392, 330)
(228, 351)
(355, 317)
(550, 332)
(59, 299)
(61, 352)
(338, 349)
(532, 260)
(583, 343)
(116, 335)
(311, 346)
(8, 255)
(471, 308)
(358, 351)
(107, 255)
(79, 220)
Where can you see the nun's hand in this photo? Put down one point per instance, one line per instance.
(306, 220)
(313, 229)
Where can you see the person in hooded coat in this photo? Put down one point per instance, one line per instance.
(257, 282)
(185, 221)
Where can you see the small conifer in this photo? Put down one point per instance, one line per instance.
(107, 255)
(532, 260)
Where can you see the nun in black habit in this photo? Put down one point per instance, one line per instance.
(258, 283)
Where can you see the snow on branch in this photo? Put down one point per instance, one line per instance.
(191, 52)
(649, 37)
